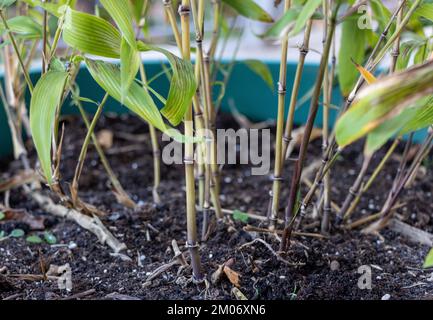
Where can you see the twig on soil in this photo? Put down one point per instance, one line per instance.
(249, 228)
(80, 295)
(268, 246)
(92, 224)
(412, 233)
(178, 258)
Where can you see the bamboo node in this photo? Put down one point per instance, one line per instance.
(192, 245)
(166, 3)
(184, 10)
(287, 139)
(188, 161)
(281, 88)
(277, 178)
(303, 50)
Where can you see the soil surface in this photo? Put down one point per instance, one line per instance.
(327, 268)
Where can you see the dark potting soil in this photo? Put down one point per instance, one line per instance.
(328, 268)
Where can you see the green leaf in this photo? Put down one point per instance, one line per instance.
(425, 10)
(182, 86)
(50, 238)
(2, 234)
(422, 118)
(283, 25)
(34, 239)
(17, 233)
(24, 27)
(249, 9)
(120, 11)
(240, 216)
(43, 105)
(306, 13)
(6, 3)
(384, 100)
(2, 215)
(429, 260)
(353, 40)
(262, 70)
(91, 34)
(129, 65)
(55, 9)
(379, 136)
(137, 100)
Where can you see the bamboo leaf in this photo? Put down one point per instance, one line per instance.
(367, 75)
(422, 118)
(107, 75)
(45, 100)
(379, 136)
(6, 3)
(129, 65)
(352, 48)
(383, 101)
(24, 27)
(182, 88)
(283, 25)
(137, 100)
(55, 9)
(91, 34)
(262, 70)
(120, 11)
(249, 9)
(425, 10)
(306, 13)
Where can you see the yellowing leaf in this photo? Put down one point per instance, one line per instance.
(367, 75)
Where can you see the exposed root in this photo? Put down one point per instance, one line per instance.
(268, 246)
(92, 224)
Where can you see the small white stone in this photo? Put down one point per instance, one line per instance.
(386, 297)
(72, 245)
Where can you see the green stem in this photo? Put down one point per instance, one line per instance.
(290, 214)
(282, 84)
(17, 52)
(192, 242)
(85, 145)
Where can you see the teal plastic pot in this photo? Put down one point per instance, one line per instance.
(246, 91)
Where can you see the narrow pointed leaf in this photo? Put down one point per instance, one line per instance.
(45, 100)
(182, 88)
(367, 75)
(6, 3)
(107, 75)
(306, 13)
(383, 101)
(24, 27)
(137, 100)
(262, 70)
(283, 25)
(249, 9)
(352, 48)
(129, 65)
(91, 34)
(121, 13)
